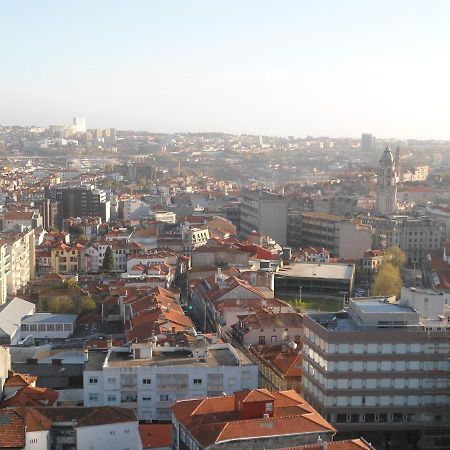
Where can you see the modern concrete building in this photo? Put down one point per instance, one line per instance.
(81, 200)
(149, 378)
(298, 279)
(380, 369)
(18, 261)
(342, 237)
(266, 212)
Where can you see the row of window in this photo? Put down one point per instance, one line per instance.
(46, 327)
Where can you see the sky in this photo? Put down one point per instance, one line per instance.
(301, 67)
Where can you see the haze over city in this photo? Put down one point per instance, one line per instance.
(224, 225)
(322, 68)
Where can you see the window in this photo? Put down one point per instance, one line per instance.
(33, 327)
(111, 398)
(93, 380)
(111, 380)
(112, 432)
(126, 431)
(67, 327)
(262, 340)
(146, 381)
(269, 407)
(42, 327)
(164, 398)
(273, 339)
(59, 327)
(93, 397)
(50, 327)
(146, 398)
(197, 381)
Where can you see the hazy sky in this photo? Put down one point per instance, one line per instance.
(314, 67)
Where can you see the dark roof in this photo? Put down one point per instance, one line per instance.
(89, 417)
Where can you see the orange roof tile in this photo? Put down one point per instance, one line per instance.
(154, 435)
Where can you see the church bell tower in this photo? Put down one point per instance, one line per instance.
(386, 194)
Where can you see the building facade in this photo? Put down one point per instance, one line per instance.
(149, 380)
(379, 367)
(265, 212)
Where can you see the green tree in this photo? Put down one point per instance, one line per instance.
(387, 281)
(298, 304)
(60, 304)
(396, 256)
(87, 304)
(75, 230)
(108, 260)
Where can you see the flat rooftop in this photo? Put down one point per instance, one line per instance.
(376, 306)
(317, 270)
(50, 318)
(121, 359)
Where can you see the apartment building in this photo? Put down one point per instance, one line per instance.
(149, 378)
(343, 237)
(18, 261)
(79, 201)
(381, 368)
(266, 212)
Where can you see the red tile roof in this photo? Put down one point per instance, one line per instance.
(214, 420)
(12, 430)
(154, 435)
(19, 380)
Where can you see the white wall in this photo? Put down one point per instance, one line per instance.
(117, 436)
(37, 440)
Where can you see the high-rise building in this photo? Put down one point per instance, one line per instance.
(79, 201)
(367, 142)
(265, 212)
(79, 124)
(386, 193)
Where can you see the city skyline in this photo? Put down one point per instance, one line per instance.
(260, 68)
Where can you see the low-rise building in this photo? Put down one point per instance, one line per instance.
(267, 327)
(298, 279)
(250, 419)
(48, 326)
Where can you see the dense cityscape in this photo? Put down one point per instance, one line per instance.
(208, 290)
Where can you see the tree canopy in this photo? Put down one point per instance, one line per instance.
(108, 260)
(395, 256)
(387, 281)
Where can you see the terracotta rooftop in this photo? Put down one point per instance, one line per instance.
(154, 435)
(12, 430)
(218, 419)
(354, 444)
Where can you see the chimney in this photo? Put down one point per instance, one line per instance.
(86, 355)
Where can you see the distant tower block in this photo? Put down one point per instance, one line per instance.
(386, 194)
(367, 142)
(80, 124)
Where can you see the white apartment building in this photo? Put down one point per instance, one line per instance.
(5, 268)
(17, 262)
(149, 379)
